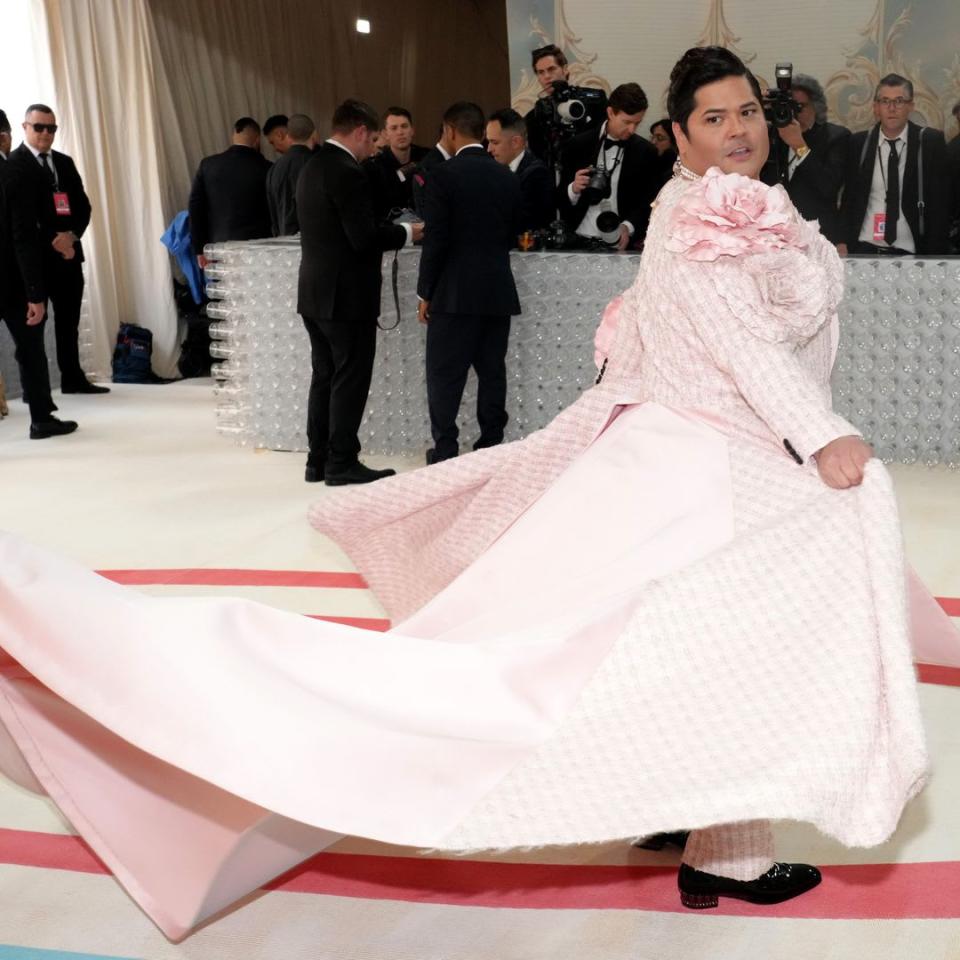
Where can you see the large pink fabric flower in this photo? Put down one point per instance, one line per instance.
(782, 296)
(726, 214)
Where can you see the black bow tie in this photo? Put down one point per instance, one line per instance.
(608, 143)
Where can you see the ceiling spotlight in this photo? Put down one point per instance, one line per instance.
(363, 26)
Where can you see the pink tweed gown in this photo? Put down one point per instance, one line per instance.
(647, 616)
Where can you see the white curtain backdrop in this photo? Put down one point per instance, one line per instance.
(105, 98)
(24, 78)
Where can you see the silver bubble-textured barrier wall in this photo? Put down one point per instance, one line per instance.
(897, 375)
(264, 351)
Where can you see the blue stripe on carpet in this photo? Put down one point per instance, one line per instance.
(9, 952)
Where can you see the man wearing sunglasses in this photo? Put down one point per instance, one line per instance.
(63, 214)
(21, 300)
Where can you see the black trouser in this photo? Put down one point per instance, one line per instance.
(31, 356)
(341, 353)
(455, 343)
(64, 280)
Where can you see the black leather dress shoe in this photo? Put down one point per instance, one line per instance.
(313, 474)
(783, 881)
(358, 473)
(51, 428)
(85, 387)
(433, 458)
(658, 841)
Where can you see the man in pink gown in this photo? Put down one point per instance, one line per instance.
(700, 617)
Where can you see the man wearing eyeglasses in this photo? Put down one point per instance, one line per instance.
(63, 214)
(896, 198)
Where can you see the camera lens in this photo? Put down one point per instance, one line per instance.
(608, 221)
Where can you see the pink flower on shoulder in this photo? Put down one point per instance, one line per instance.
(726, 214)
(607, 331)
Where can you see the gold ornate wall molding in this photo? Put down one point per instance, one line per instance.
(581, 62)
(899, 36)
(850, 91)
(717, 33)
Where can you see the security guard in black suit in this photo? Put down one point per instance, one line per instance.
(63, 215)
(22, 297)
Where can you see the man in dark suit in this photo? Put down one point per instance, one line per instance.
(339, 292)
(5, 139)
(282, 177)
(953, 171)
(472, 211)
(896, 191)
(63, 214)
(22, 297)
(808, 158)
(391, 169)
(633, 175)
(507, 144)
(439, 153)
(276, 133)
(228, 200)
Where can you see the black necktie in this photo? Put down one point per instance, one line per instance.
(48, 170)
(893, 195)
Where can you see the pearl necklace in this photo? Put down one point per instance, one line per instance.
(679, 170)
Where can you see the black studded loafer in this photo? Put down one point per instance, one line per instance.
(783, 881)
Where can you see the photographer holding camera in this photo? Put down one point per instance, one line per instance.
(610, 177)
(807, 153)
(562, 110)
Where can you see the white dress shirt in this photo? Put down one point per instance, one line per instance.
(406, 226)
(794, 160)
(877, 202)
(588, 226)
(517, 160)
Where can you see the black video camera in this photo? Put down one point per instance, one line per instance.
(779, 107)
(571, 109)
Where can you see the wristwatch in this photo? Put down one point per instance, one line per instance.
(802, 151)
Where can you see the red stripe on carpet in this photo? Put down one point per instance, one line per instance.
(209, 577)
(848, 892)
(26, 848)
(934, 673)
(364, 623)
(951, 605)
